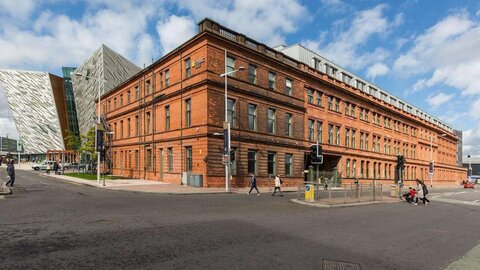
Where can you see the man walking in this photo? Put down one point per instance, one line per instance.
(253, 184)
(278, 184)
(55, 167)
(11, 173)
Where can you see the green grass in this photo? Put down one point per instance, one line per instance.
(88, 176)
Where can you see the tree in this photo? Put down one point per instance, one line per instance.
(88, 144)
(72, 141)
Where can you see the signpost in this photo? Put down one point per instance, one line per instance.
(430, 172)
(309, 193)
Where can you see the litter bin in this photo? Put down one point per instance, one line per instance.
(394, 191)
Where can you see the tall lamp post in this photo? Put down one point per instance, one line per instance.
(431, 168)
(99, 80)
(469, 165)
(226, 127)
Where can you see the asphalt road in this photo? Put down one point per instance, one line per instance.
(48, 224)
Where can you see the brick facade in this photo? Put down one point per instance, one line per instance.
(160, 151)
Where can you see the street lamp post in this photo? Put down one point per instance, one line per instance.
(431, 159)
(469, 165)
(226, 125)
(99, 80)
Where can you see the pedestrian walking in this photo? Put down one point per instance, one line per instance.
(11, 173)
(55, 167)
(421, 186)
(278, 185)
(253, 184)
(49, 167)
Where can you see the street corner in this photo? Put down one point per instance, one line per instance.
(5, 190)
(326, 205)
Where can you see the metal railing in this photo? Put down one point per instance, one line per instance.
(342, 194)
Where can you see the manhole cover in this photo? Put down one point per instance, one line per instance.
(339, 265)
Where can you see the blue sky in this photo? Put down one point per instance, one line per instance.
(426, 52)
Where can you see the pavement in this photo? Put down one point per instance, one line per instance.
(4, 190)
(139, 185)
(53, 224)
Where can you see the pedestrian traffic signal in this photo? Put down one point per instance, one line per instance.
(316, 153)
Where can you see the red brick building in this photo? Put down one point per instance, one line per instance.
(166, 119)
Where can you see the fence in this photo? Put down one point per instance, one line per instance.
(341, 194)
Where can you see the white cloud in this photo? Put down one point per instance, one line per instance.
(471, 141)
(267, 20)
(474, 111)
(175, 30)
(446, 54)
(378, 69)
(18, 10)
(419, 85)
(439, 99)
(333, 6)
(56, 40)
(331, 2)
(346, 48)
(51, 40)
(146, 49)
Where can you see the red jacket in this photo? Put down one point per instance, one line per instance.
(412, 193)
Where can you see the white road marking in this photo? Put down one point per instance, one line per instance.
(475, 201)
(456, 201)
(2, 197)
(461, 192)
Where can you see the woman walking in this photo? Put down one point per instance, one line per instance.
(422, 192)
(278, 185)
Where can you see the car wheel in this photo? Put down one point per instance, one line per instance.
(36, 168)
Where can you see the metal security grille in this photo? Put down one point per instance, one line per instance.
(339, 265)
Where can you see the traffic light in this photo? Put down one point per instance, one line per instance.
(316, 153)
(232, 155)
(100, 145)
(400, 161)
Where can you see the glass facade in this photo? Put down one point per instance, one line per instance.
(70, 99)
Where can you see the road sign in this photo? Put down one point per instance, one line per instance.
(309, 193)
(430, 167)
(225, 159)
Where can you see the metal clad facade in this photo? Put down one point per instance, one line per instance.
(31, 100)
(104, 64)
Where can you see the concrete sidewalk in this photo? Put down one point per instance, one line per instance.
(139, 185)
(4, 190)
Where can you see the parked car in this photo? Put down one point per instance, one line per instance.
(75, 165)
(43, 166)
(66, 166)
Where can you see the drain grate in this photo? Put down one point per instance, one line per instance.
(339, 265)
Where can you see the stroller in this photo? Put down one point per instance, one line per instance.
(407, 197)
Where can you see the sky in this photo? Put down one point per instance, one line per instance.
(426, 52)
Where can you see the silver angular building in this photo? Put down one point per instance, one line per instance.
(107, 69)
(36, 101)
